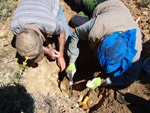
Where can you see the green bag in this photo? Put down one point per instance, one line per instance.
(90, 5)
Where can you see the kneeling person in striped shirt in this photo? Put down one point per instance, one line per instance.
(34, 19)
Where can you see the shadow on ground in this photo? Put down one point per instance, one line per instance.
(15, 99)
(138, 104)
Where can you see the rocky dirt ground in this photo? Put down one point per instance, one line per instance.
(44, 90)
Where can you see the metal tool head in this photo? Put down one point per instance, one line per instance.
(70, 81)
(70, 72)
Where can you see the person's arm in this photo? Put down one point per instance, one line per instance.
(61, 43)
(80, 33)
(59, 55)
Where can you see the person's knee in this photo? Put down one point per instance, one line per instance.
(131, 79)
(76, 21)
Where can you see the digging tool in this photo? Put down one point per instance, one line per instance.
(70, 81)
(84, 103)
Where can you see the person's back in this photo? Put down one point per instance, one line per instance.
(113, 15)
(41, 13)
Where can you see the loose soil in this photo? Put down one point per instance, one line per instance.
(48, 89)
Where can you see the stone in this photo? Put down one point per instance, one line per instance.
(146, 13)
(2, 33)
(6, 43)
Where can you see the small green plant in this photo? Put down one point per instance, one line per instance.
(145, 3)
(19, 70)
(4, 36)
(6, 8)
(20, 66)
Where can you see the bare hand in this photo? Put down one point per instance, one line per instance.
(53, 54)
(61, 63)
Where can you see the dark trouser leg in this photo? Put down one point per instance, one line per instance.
(86, 7)
(81, 17)
(129, 76)
(78, 20)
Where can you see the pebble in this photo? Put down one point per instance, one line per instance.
(128, 90)
(77, 105)
(146, 13)
(101, 96)
(6, 43)
(147, 37)
(2, 33)
(90, 102)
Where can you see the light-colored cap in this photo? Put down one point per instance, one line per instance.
(29, 44)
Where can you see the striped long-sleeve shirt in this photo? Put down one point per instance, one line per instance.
(41, 13)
